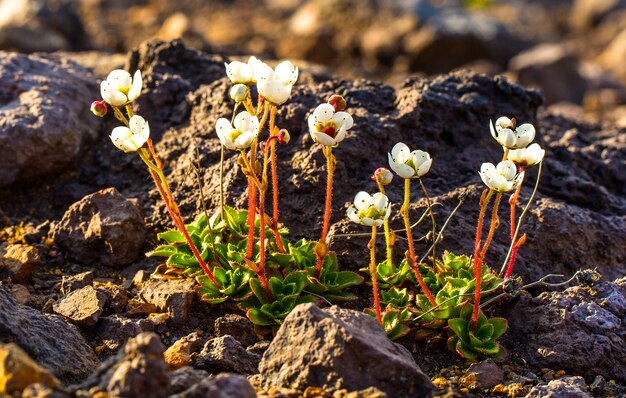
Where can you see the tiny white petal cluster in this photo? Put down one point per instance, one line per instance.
(509, 138)
(328, 127)
(370, 210)
(529, 156)
(503, 177)
(120, 88)
(275, 85)
(239, 72)
(242, 134)
(409, 164)
(133, 138)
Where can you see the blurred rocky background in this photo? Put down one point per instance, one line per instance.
(573, 50)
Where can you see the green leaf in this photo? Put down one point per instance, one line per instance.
(465, 351)
(485, 332)
(489, 348)
(346, 279)
(499, 327)
(172, 237)
(459, 327)
(258, 290)
(259, 318)
(162, 251)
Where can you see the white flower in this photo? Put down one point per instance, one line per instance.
(527, 156)
(328, 127)
(239, 72)
(133, 138)
(242, 134)
(120, 88)
(503, 177)
(371, 210)
(409, 164)
(275, 85)
(507, 137)
(259, 68)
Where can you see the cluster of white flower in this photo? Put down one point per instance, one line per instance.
(505, 176)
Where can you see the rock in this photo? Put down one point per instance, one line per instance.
(43, 125)
(172, 296)
(587, 13)
(75, 282)
(40, 26)
(48, 339)
(115, 330)
(142, 372)
(580, 330)
(20, 261)
(185, 378)
(39, 390)
(103, 227)
(614, 52)
(483, 375)
(82, 307)
(259, 348)
(21, 294)
(566, 387)
(553, 69)
(18, 370)
(224, 385)
(180, 353)
(452, 38)
(237, 326)
(225, 354)
(339, 349)
(117, 297)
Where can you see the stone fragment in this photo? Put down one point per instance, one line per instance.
(115, 330)
(225, 354)
(172, 296)
(484, 375)
(180, 353)
(75, 282)
(103, 227)
(184, 378)
(224, 385)
(48, 339)
(20, 261)
(339, 349)
(18, 370)
(566, 387)
(237, 326)
(82, 307)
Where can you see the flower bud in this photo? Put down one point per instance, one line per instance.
(238, 92)
(383, 175)
(99, 108)
(338, 102)
(283, 137)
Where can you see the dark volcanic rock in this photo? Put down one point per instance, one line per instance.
(185, 378)
(115, 330)
(339, 349)
(237, 326)
(75, 282)
(44, 115)
(48, 339)
(224, 385)
(225, 354)
(580, 330)
(172, 296)
(82, 307)
(567, 387)
(103, 227)
(19, 261)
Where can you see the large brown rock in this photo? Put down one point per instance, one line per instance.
(82, 307)
(44, 115)
(18, 370)
(339, 349)
(48, 339)
(104, 228)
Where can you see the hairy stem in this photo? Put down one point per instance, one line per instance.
(388, 241)
(274, 169)
(374, 275)
(409, 235)
(432, 218)
(330, 168)
(251, 217)
(493, 225)
(484, 201)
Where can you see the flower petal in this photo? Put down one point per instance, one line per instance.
(362, 201)
(119, 136)
(135, 89)
(343, 120)
(286, 72)
(352, 215)
(136, 123)
(323, 113)
(111, 95)
(323, 139)
(244, 140)
(424, 167)
(379, 201)
(119, 78)
(242, 121)
(400, 152)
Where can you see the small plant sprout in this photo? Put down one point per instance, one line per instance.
(328, 126)
(372, 211)
(120, 90)
(409, 165)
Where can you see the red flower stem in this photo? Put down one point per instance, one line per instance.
(172, 207)
(251, 217)
(330, 168)
(273, 160)
(484, 201)
(388, 242)
(374, 275)
(409, 237)
(495, 222)
(513, 203)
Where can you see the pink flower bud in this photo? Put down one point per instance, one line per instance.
(383, 175)
(283, 137)
(338, 102)
(99, 108)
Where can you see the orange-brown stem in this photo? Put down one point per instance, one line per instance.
(330, 168)
(262, 273)
(512, 204)
(374, 275)
(484, 200)
(495, 222)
